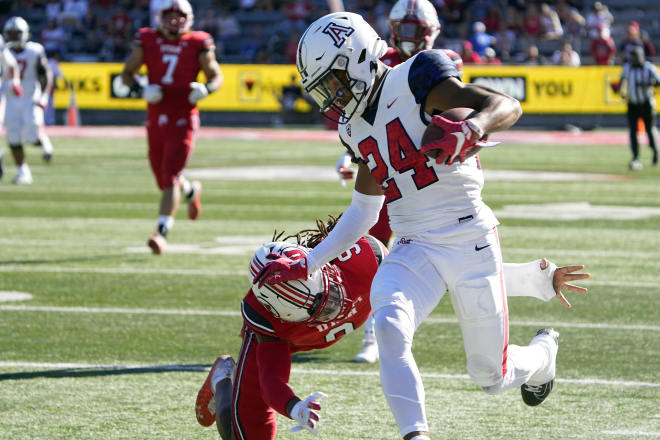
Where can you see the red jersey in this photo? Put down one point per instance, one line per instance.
(392, 57)
(173, 64)
(357, 267)
(603, 50)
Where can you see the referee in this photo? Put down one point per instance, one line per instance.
(637, 81)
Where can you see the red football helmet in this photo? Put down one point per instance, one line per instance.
(175, 17)
(322, 297)
(414, 26)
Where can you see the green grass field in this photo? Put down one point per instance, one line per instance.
(115, 342)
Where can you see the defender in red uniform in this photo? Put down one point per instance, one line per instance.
(174, 56)
(309, 314)
(281, 320)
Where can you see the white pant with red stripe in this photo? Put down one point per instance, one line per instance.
(409, 284)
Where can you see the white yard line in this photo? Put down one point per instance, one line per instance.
(632, 433)
(328, 372)
(141, 311)
(120, 270)
(29, 268)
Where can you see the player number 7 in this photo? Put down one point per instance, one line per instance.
(171, 61)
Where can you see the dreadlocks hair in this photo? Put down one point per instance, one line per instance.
(309, 238)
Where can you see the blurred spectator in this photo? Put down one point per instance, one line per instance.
(53, 37)
(491, 57)
(532, 22)
(292, 47)
(210, 23)
(566, 56)
(468, 55)
(493, 19)
(635, 38)
(53, 9)
(506, 41)
(72, 12)
(298, 13)
(598, 14)
(229, 29)
(250, 46)
(550, 25)
(478, 9)
(532, 57)
(480, 39)
(452, 18)
(603, 48)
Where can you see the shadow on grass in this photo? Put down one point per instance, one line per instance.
(101, 371)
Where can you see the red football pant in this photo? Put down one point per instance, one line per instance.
(171, 142)
(251, 417)
(381, 230)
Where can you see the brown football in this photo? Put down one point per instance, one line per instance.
(433, 132)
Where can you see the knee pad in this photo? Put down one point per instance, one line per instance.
(394, 330)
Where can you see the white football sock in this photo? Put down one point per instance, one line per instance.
(46, 145)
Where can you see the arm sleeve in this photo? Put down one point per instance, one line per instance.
(527, 279)
(274, 362)
(360, 216)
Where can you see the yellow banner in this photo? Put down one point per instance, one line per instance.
(245, 88)
(253, 87)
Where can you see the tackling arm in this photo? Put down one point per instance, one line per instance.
(360, 216)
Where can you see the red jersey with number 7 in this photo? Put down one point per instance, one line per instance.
(173, 64)
(357, 267)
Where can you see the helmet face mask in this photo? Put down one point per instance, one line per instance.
(175, 17)
(16, 33)
(337, 60)
(320, 298)
(414, 26)
(336, 93)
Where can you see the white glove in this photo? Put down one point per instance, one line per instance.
(152, 93)
(198, 92)
(305, 413)
(344, 170)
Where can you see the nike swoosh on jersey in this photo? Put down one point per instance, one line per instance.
(477, 248)
(391, 103)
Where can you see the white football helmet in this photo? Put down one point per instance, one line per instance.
(175, 26)
(414, 26)
(16, 32)
(337, 60)
(321, 297)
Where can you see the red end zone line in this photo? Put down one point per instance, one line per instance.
(217, 133)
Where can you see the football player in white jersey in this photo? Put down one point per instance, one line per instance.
(24, 115)
(8, 65)
(447, 236)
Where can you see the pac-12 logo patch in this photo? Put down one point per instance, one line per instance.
(338, 33)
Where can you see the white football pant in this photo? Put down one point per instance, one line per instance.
(23, 120)
(409, 284)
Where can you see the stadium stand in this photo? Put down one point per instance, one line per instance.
(265, 31)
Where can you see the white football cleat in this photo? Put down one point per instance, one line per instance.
(635, 165)
(368, 353)
(23, 177)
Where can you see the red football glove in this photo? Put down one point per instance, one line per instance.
(460, 137)
(16, 89)
(281, 269)
(346, 173)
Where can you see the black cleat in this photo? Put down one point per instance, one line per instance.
(47, 157)
(2, 172)
(535, 395)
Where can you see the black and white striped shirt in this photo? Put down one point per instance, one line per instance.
(640, 81)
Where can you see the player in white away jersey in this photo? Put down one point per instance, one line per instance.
(24, 115)
(13, 81)
(447, 235)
